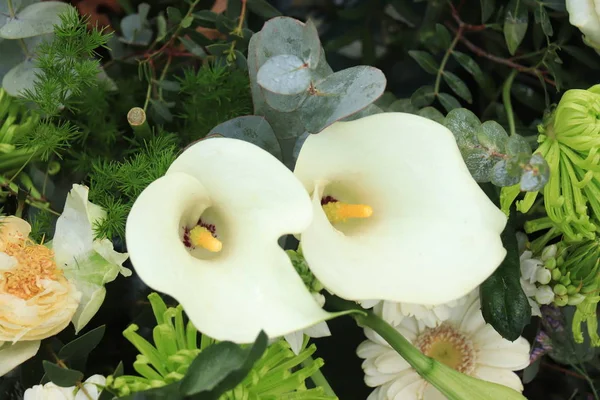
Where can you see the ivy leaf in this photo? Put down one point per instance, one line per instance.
(284, 74)
(515, 24)
(487, 9)
(253, 129)
(425, 60)
(35, 19)
(448, 101)
(541, 17)
(63, 377)
(503, 303)
(423, 96)
(221, 367)
(470, 66)
(83, 345)
(458, 86)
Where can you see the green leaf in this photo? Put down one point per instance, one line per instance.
(20, 78)
(432, 114)
(174, 15)
(253, 129)
(340, 95)
(403, 105)
(541, 17)
(263, 8)
(443, 35)
(448, 101)
(311, 45)
(206, 16)
(83, 345)
(493, 137)
(564, 348)
(556, 5)
(425, 60)
(470, 66)
(458, 86)
(528, 96)
(62, 377)
(221, 367)
(168, 392)
(423, 97)
(34, 20)
(161, 26)
(515, 24)
(479, 162)
(161, 109)
(535, 175)
(193, 47)
(284, 74)
(187, 21)
(517, 145)
(503, 303)
(464, 125)
(487, 9)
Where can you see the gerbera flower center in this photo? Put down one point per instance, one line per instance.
(448, 346)
(337, 211)
(35, 262)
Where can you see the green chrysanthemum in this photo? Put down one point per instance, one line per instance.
(569, 142)
(278, 374)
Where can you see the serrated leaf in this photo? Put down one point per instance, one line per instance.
(35, 19)
(311, 45)
(464, 125)
(541, 17)
(221, 367)
(470, 66)
(535, 175)
(284, 74)
(458, 86)
(449, 102)
(503, 303)
(423, 97)
(403, 105)
(443, 35)
(432, 114)
(515, 24)
(493, 137)
(340, 95)
(425, 60)
(501, 176)
(83, 345)
(263, 8)
(193, 47)
(62, 377)
(253, 129)
(487, 9)
(21, 77)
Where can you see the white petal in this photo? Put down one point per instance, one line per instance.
(585, 16)
(318, 330)
(408, 386)
(500, 376)
(93, 386)
(369, 349)
(509, 355)
(13, 355)
(251, 284)
(431, 393)
(391, 363)
(410, 171)
(295, 340)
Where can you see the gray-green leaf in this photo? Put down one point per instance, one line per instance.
(448, 101)
(536, 174)
(423, 96)
(515, 24)
(311, 45)
(464, 125)
(458, 86)
(493, 137)
(284, 74)
(425, 60)
(253, 129)
(35, 19)
(501, 176)
(20, 78)
(432, 114)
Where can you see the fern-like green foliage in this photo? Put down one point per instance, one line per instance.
(67, 65)
(47, 138)
(210, 96)
(115, 185)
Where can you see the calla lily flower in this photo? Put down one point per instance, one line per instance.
(585, 15)
(397, 215)
(206, 233)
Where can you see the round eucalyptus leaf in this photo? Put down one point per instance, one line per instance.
(35, 19)
(501, 175)
(281, 35)
(284, 74)
(253, 129)
(285, 103)
(20, 78)
(311, 44)
(17, 5)
(493, 136)
(135, 30)
(11, 55)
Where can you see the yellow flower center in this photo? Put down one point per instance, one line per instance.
(337, 211)
(448, 346)
(35, 263)
(200, 236)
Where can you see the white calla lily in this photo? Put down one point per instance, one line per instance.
(409, 222)
(206, 233)
(89, 263)
(585, 15)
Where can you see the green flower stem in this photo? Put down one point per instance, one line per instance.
(438, 78)
(453, 384)
(318, 378)
(507, 102)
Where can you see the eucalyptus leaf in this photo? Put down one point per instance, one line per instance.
(17, 5)
(517, 145)
(432, 114)
(536, 174)
(341, 95)
(515, 24)
(503, 303)
(423, 96)
(311, 45)
(20, 78)
(458, 86)
(169, 86)
(35, 19)
(464, 125)
(136, 30)
(285, 103)
(403, 105)
(448, 101)
(11, 56)
(253, 129)
(63, 377)
(501, 176)
(479, 162)
(284, 74)
(281, 35)
(83, 345)
(493, 137)
(425, 60)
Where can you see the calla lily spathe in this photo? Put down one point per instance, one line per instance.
(585, 15)
(427, 233)
(206, 233)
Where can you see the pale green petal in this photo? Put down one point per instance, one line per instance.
(91, 300)
(12, 355)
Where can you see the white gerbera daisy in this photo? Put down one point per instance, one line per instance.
(430, 316)
(464, 342)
